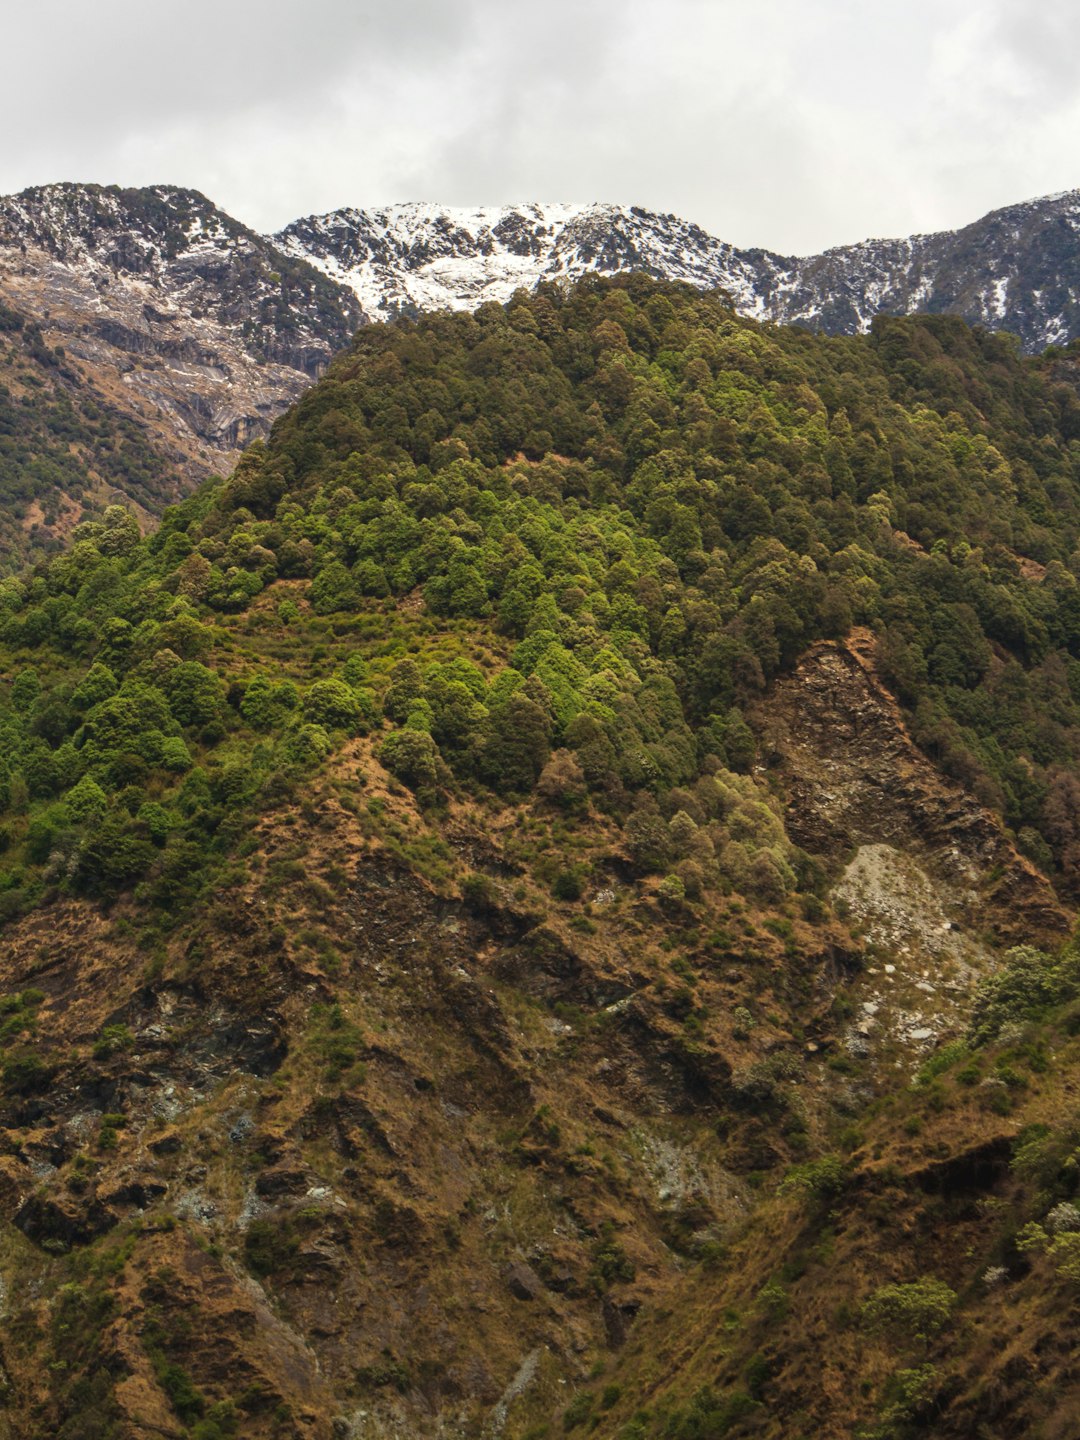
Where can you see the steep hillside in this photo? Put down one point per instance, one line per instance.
(192, 324)
(65, 449)
(435, 1001)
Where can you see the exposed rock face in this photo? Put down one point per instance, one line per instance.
(854, 777)
(179, 315)
(1017, 269)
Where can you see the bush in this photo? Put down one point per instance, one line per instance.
(568, 884)
(25, 1074)
(112, 1040)
(817, 1180)
(671, 888)
(411, 756)
(1026, 986)
(919, 1309)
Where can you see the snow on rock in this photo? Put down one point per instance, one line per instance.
(1017, 269)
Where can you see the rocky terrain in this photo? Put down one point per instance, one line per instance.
(175, 314)
(362, 1159)
(1017, 269)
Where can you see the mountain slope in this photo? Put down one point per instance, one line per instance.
(1017, 269)
(65, 448)
(188, 319)
(197, 332)
(433, 1000)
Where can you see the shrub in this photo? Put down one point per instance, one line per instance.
(112, 1040)
(1027, 985)
(671, 888)
(568, 884)
(919, 1309)
(817, 1180)
(25, 1074)
(410, 756)
(579, 1410)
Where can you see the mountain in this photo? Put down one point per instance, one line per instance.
(410, 258)
(543, 903)
(1017, 269)
(193, 333)
(194, 327)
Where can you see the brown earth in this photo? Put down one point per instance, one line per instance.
(386, 1141)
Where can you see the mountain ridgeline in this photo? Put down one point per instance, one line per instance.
(1016, 269)
(542, 902)
(193, 333)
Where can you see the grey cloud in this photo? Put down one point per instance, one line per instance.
(776, 123)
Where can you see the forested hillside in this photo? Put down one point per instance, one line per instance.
(650, 507)
(62, 447)
(423, 950)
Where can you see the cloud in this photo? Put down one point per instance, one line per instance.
(777, 123)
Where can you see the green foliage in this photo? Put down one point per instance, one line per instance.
(25, 1073)
(568, 884)
(269, 1246)
(709, 1416)
(1027, 985)
(611, 1264)
(918, 1310)
(579, 1410)
(333, 704)
(337, 1042)
(560, 556)
(411, 756)
(818, 1180)
(112, 1040)
(908, 1402)
(943, 1059)
(83, 1387)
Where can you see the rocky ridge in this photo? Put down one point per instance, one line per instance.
(1016, 269)
(172, 312)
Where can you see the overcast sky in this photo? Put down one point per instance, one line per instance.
(793, 124)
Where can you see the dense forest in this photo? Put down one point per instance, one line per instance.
(646, 506)
(409, 967)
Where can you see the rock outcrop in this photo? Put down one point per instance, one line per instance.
(852, 776)
(177, 315)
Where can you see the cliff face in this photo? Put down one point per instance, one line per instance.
(183, 319)
(853, 777)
